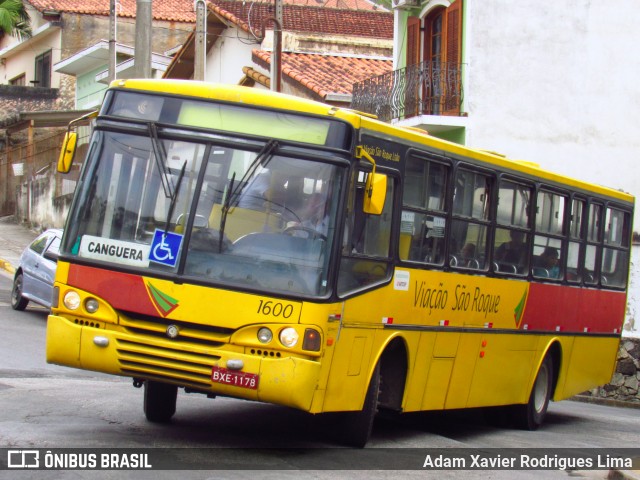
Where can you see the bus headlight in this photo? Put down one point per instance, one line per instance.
(71, 300)
(265, 335)
(289, 337)
(91, 305)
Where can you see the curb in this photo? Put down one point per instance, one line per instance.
(7, 267)
(609, 402)
(624, 475)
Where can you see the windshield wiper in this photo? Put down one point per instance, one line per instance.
(160, 156)
(172, 205)
(263, 158)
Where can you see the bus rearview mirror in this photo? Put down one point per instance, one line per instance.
(375, 193)
(67, 152)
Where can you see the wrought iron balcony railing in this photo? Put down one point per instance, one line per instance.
(427, 88)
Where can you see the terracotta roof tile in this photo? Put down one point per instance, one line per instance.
(181, 10)
(326, 74)
(301, 18)
(340, 4)
(169, 10)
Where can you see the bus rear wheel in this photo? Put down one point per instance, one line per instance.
(159, 401)
(531, 415)
(356, 427)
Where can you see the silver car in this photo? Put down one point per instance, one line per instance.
(33, 280)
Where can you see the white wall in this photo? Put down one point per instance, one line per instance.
(228, 55)
(632, 320)
(556, 83)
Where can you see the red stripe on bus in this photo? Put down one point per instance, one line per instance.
(122, 291)
(574, 309)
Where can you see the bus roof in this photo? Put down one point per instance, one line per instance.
(266, 98)
(492, 159)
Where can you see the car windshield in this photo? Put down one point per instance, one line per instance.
(249, 216)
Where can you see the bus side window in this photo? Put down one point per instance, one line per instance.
(512, 239)
(422, 228)
(594, 223)
(548, 257)
(471, 216)
(576, 221)
(615, 254)
(365, 253)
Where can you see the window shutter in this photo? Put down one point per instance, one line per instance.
(413, 40)
(453, 57)
(454, 32)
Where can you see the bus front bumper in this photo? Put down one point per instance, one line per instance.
(226, 370)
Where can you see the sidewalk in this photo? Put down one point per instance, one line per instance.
(13, 239)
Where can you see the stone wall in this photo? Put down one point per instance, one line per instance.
(626, 379)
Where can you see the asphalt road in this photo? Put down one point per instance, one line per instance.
(47, 407)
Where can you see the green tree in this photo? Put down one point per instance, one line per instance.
(14, 19)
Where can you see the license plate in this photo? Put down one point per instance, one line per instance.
(234, 378)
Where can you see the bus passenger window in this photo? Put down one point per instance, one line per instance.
(548, 257)
(615, 255)
(470, 226)
(594, 222)
(511, 243)
(576, 219)
(423, 217)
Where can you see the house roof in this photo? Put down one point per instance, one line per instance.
(248, 17)
(183, 10)
(252, 16)
(92, 57)
(325, 75)
(341, 4)
(168, 10)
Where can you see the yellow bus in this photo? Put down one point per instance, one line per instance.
(238, 242)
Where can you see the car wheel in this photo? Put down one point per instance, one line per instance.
(18, 302)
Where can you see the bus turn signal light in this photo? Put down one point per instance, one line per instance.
(311, 340)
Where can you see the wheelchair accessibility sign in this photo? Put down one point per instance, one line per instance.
(165, 247)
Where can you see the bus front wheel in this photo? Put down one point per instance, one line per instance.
(531, 415)
(356, 427)
(159, 401)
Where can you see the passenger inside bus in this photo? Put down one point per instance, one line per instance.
(468, 256)
(547, 264)
(513, 252)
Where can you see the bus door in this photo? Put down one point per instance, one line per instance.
(365, 268)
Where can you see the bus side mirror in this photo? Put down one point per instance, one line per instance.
(68, 151)
(376, 187)
(375, 193)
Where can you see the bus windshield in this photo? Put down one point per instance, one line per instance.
(247, 215)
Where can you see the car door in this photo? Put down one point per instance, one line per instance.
(39, 268)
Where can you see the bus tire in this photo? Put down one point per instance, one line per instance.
(356, 427)
(159, 401)
(18, 302)
(531, 415)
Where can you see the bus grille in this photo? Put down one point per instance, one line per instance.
(144, 360)
(206, 335)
